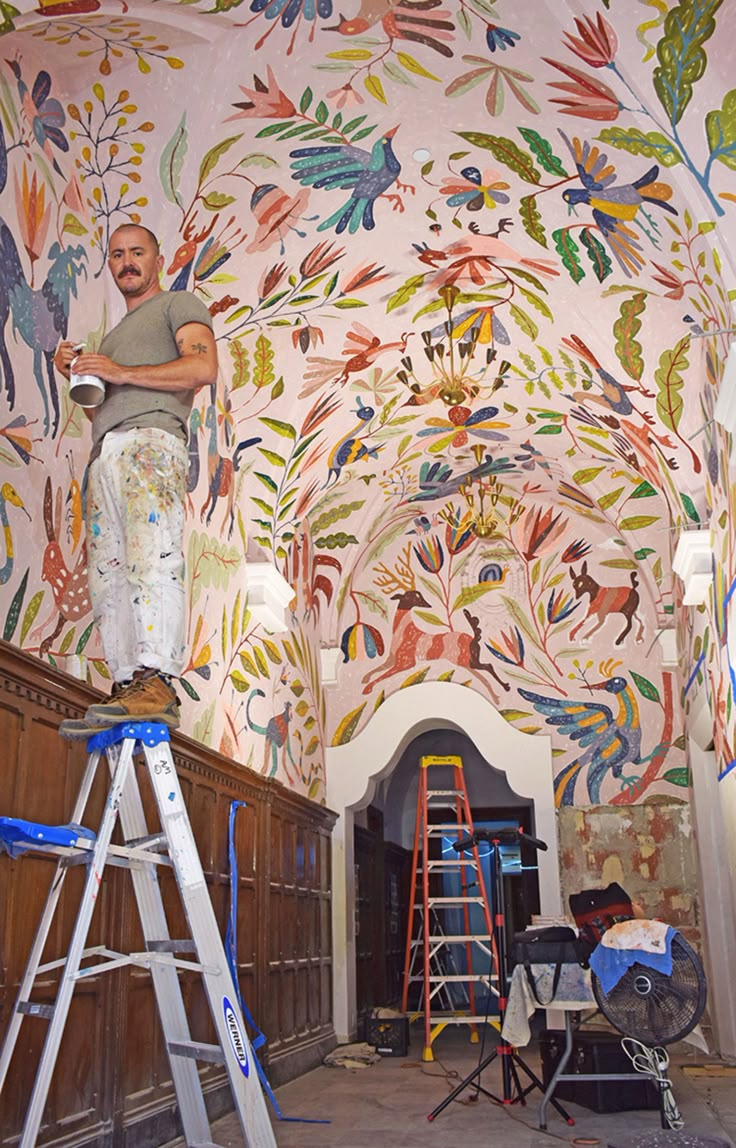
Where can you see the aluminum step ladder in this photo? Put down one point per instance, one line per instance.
(434, 942)
(172, 846)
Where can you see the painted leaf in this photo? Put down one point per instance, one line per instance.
(263, 372)
(336, 541)
(84, 639)
(241, 684)
(586, 475)
(643, 490)
(678, 776)
(209, 162)
(569, 253)
(542, 149)
(611, 497)
(405, 292)
(334, 514)
(248, 663)
(720, 128)
(625, 330)
(668, 378)
(532, 220)
(286, 430)
(172, 161)
(690, 508)
(72, 225)
(190, 690)
(30, 615)
(395, 73)
(347, 727)
(506, 152)
(11, 619)
(415, 678)
(216, 200)
(597, 254)
(682, 60)
(645, 687)
(374, 87)
(261, 661)
(241, 365)
(524, 321)
(638, 521)
(414, 66)
(635, 142)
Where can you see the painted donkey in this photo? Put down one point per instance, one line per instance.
(605, 600)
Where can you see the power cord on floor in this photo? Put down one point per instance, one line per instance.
(654, 1062)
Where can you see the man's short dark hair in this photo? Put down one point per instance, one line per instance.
(141, 227)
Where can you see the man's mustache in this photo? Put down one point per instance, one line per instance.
(128, 271)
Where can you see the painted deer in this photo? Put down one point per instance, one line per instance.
(411, 646)
(605, 600)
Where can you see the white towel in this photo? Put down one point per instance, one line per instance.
(647, 936)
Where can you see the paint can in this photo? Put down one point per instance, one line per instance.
(86, 390)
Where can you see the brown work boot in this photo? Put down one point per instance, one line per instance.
(145, 699)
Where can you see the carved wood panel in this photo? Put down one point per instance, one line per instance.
(112, 1083)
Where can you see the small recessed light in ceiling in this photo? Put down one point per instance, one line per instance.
(421, 155)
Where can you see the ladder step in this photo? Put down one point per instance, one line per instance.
(460, 938)
(450, 864)
(195, 1050)
(170, 946)
(447, 827)
(31, 1008)
(445, 793)
(455, 901)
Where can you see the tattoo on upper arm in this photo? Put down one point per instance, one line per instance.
(200, 348)
(180, 345)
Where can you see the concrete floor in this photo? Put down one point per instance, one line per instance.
(386, 1106)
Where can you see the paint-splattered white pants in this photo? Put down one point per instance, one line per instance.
(135, 523)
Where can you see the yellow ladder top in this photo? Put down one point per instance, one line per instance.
(434, 759)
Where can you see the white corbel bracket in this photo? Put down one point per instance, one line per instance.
(693, 562)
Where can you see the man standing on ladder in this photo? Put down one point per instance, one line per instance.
(153, 362)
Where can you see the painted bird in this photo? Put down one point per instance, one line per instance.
(614, 396)
(608, 742)
(368, 174)
(350, 449)
(402, 20)
(614, 205)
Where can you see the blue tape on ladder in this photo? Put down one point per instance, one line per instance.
(231, 952)
(150, 733)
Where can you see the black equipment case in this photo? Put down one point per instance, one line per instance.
(595, 1051)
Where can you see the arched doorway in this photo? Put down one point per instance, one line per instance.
(354, 771)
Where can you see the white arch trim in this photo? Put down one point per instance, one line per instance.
(354, 770)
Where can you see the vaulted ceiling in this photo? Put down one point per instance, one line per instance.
(452, 249)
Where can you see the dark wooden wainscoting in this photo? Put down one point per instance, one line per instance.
(112, 1084)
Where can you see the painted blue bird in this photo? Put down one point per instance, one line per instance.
(368, 174)
(608, 742)
(614, 205)
(350, 448)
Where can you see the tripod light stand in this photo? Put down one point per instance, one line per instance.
(514, 1090)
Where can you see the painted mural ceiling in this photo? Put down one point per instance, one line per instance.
(470, 269)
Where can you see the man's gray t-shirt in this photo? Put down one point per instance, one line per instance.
(146, 336)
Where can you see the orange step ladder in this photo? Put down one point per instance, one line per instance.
(435, 949)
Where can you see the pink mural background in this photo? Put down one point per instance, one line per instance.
(525, 211)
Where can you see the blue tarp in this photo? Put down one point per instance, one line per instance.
(18, 836)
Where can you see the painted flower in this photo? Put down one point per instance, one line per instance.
(474, 190)
(508, 648)
(223, 304)
(459, 533)
(560, 606)
(361, 276)
(430, 553)
(320, 258)
(35, 216)
(458, 422)
(668, 279)
(585, 96)
(44, 113)
(597, 44)
(264, 101)
(499, 79)
(345, 97)
(270, 280)
(360, 642)
(378, 385)
(276, 213)
(502, 38)
(537, 532)
(306, 337)
(575, 551)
